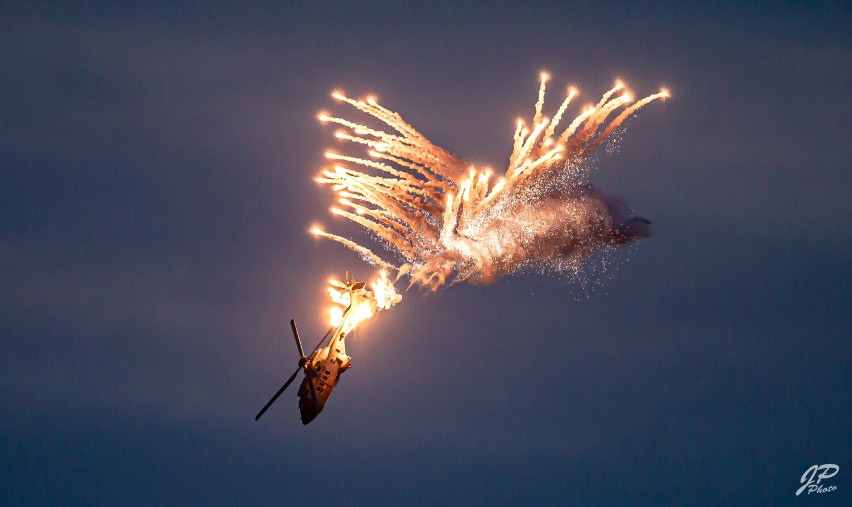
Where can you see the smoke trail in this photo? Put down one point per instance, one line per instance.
(446, 221)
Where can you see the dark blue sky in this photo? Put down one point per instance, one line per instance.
(155, 190)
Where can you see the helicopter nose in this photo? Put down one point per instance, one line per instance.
(308, 411)
(308, 416)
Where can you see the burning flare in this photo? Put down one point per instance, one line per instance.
(448, 221)
(355, 306)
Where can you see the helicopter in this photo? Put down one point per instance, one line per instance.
(323, 367)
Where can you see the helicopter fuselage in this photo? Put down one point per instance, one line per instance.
(325, 367)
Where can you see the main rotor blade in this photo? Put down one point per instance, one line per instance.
(275, 397)
(296, 335)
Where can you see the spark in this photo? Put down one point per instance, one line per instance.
(352, 307)
(445, 220)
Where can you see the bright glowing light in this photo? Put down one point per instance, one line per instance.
(451, 222)
(336, 315)
(354, 306)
